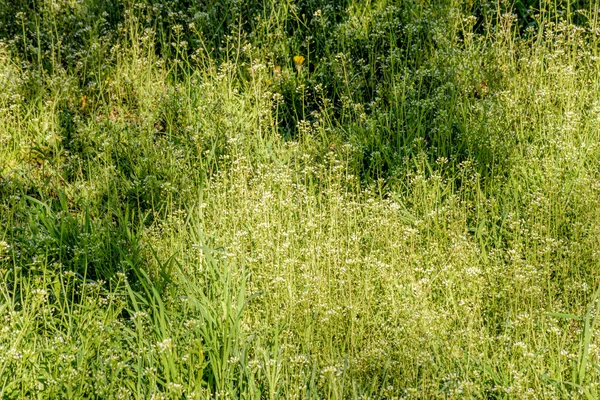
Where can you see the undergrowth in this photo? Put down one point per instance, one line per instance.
(299, 199)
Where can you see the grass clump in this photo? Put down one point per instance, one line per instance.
(299, 199)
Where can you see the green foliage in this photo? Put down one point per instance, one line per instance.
(299, 199)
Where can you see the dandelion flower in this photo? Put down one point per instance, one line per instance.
(298, 61)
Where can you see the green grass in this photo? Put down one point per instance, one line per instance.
(410, 210)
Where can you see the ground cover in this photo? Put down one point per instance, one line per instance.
(299, 199)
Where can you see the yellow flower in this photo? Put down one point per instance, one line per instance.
(298, 61)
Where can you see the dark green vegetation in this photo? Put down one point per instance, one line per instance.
(299, 199)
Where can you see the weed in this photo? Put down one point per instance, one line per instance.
(299, 199)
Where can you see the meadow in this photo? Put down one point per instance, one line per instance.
(299, 199)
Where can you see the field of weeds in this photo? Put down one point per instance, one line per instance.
(299, 199)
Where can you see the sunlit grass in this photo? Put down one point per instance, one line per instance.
(304, 199)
